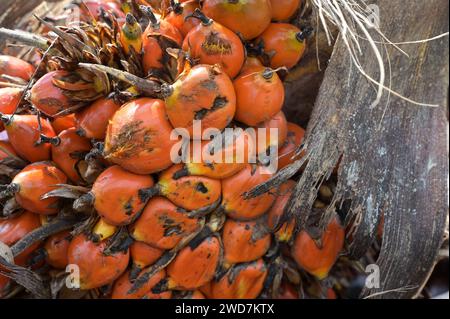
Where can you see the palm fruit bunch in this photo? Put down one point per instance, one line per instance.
(88, 177)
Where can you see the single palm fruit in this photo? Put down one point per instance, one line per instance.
(24, 134)
(283, 10)
(284, 232)
(47, 97)
(272, 137)
(131, 35)
(32, 183)
(163, 225)
(284, 44)
(211, 43)
(142, 255)
(261, 87)
(249, 18)
(195, 265)
(123, 285)
(115, 195)
(221, 158)
(189, 192)
(138, 137)
(96, 268)
(234, 188)
(286, 153)
(203, 93)
(318, 258)
(68, 149)
(243, 281)
(92, 122)
(15, 67)
(9, 100)
(179, 11)
(244, 241)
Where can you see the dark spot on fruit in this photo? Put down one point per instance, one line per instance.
(201, 188)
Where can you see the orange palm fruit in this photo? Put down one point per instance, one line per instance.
(93, 120)
(9, 100)
(157, 38)
(95, 268)
(285, 231)
(48, 98)
(142, 255)
(211, 43)
(32, 183)
(284, 44)
(179, 10)
(243, 281)
(262, 88)
(68, 149)
(195, 265)
(15, 67)
(246, 17)
(115, 195)
(56, 248)
(123, 285)
(318, 259)
(162, 224)
(203, 93)
(284, 9)
(233, 189)
(138, 137)
(227, 160)
(23, 132)
(189, 192)
(244, 241)
(63, 123)
(251, 64)
(267, 142)
(288, 149)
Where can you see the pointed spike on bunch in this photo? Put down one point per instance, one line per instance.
(148, 87)
(148, 12)
(26, 38)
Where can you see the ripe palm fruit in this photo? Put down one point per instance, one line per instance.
(11, 231)
(138, 137)
(68, 149)
(190, 192)
(48, 98)
(32, 183)
(235, 187)
(159, 36)
(24, 134)
(285, 231)
(163, 225)
(9, 100)
(195, 265)
(96, 268)
(262, 88)
(244, 241)
(93, 120)
(131, 35)
(267, 142)
(123, 285)
(15, 67)
(284, 9)
(203, 93)
(286, 154)
(219, 165)
(246, 17)
(318, 258)
(142, 255)
(284, 44)
(211, 43)
(179, 11)
(243, 281)
(63, 123)
(55, 249)
(115, 195)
